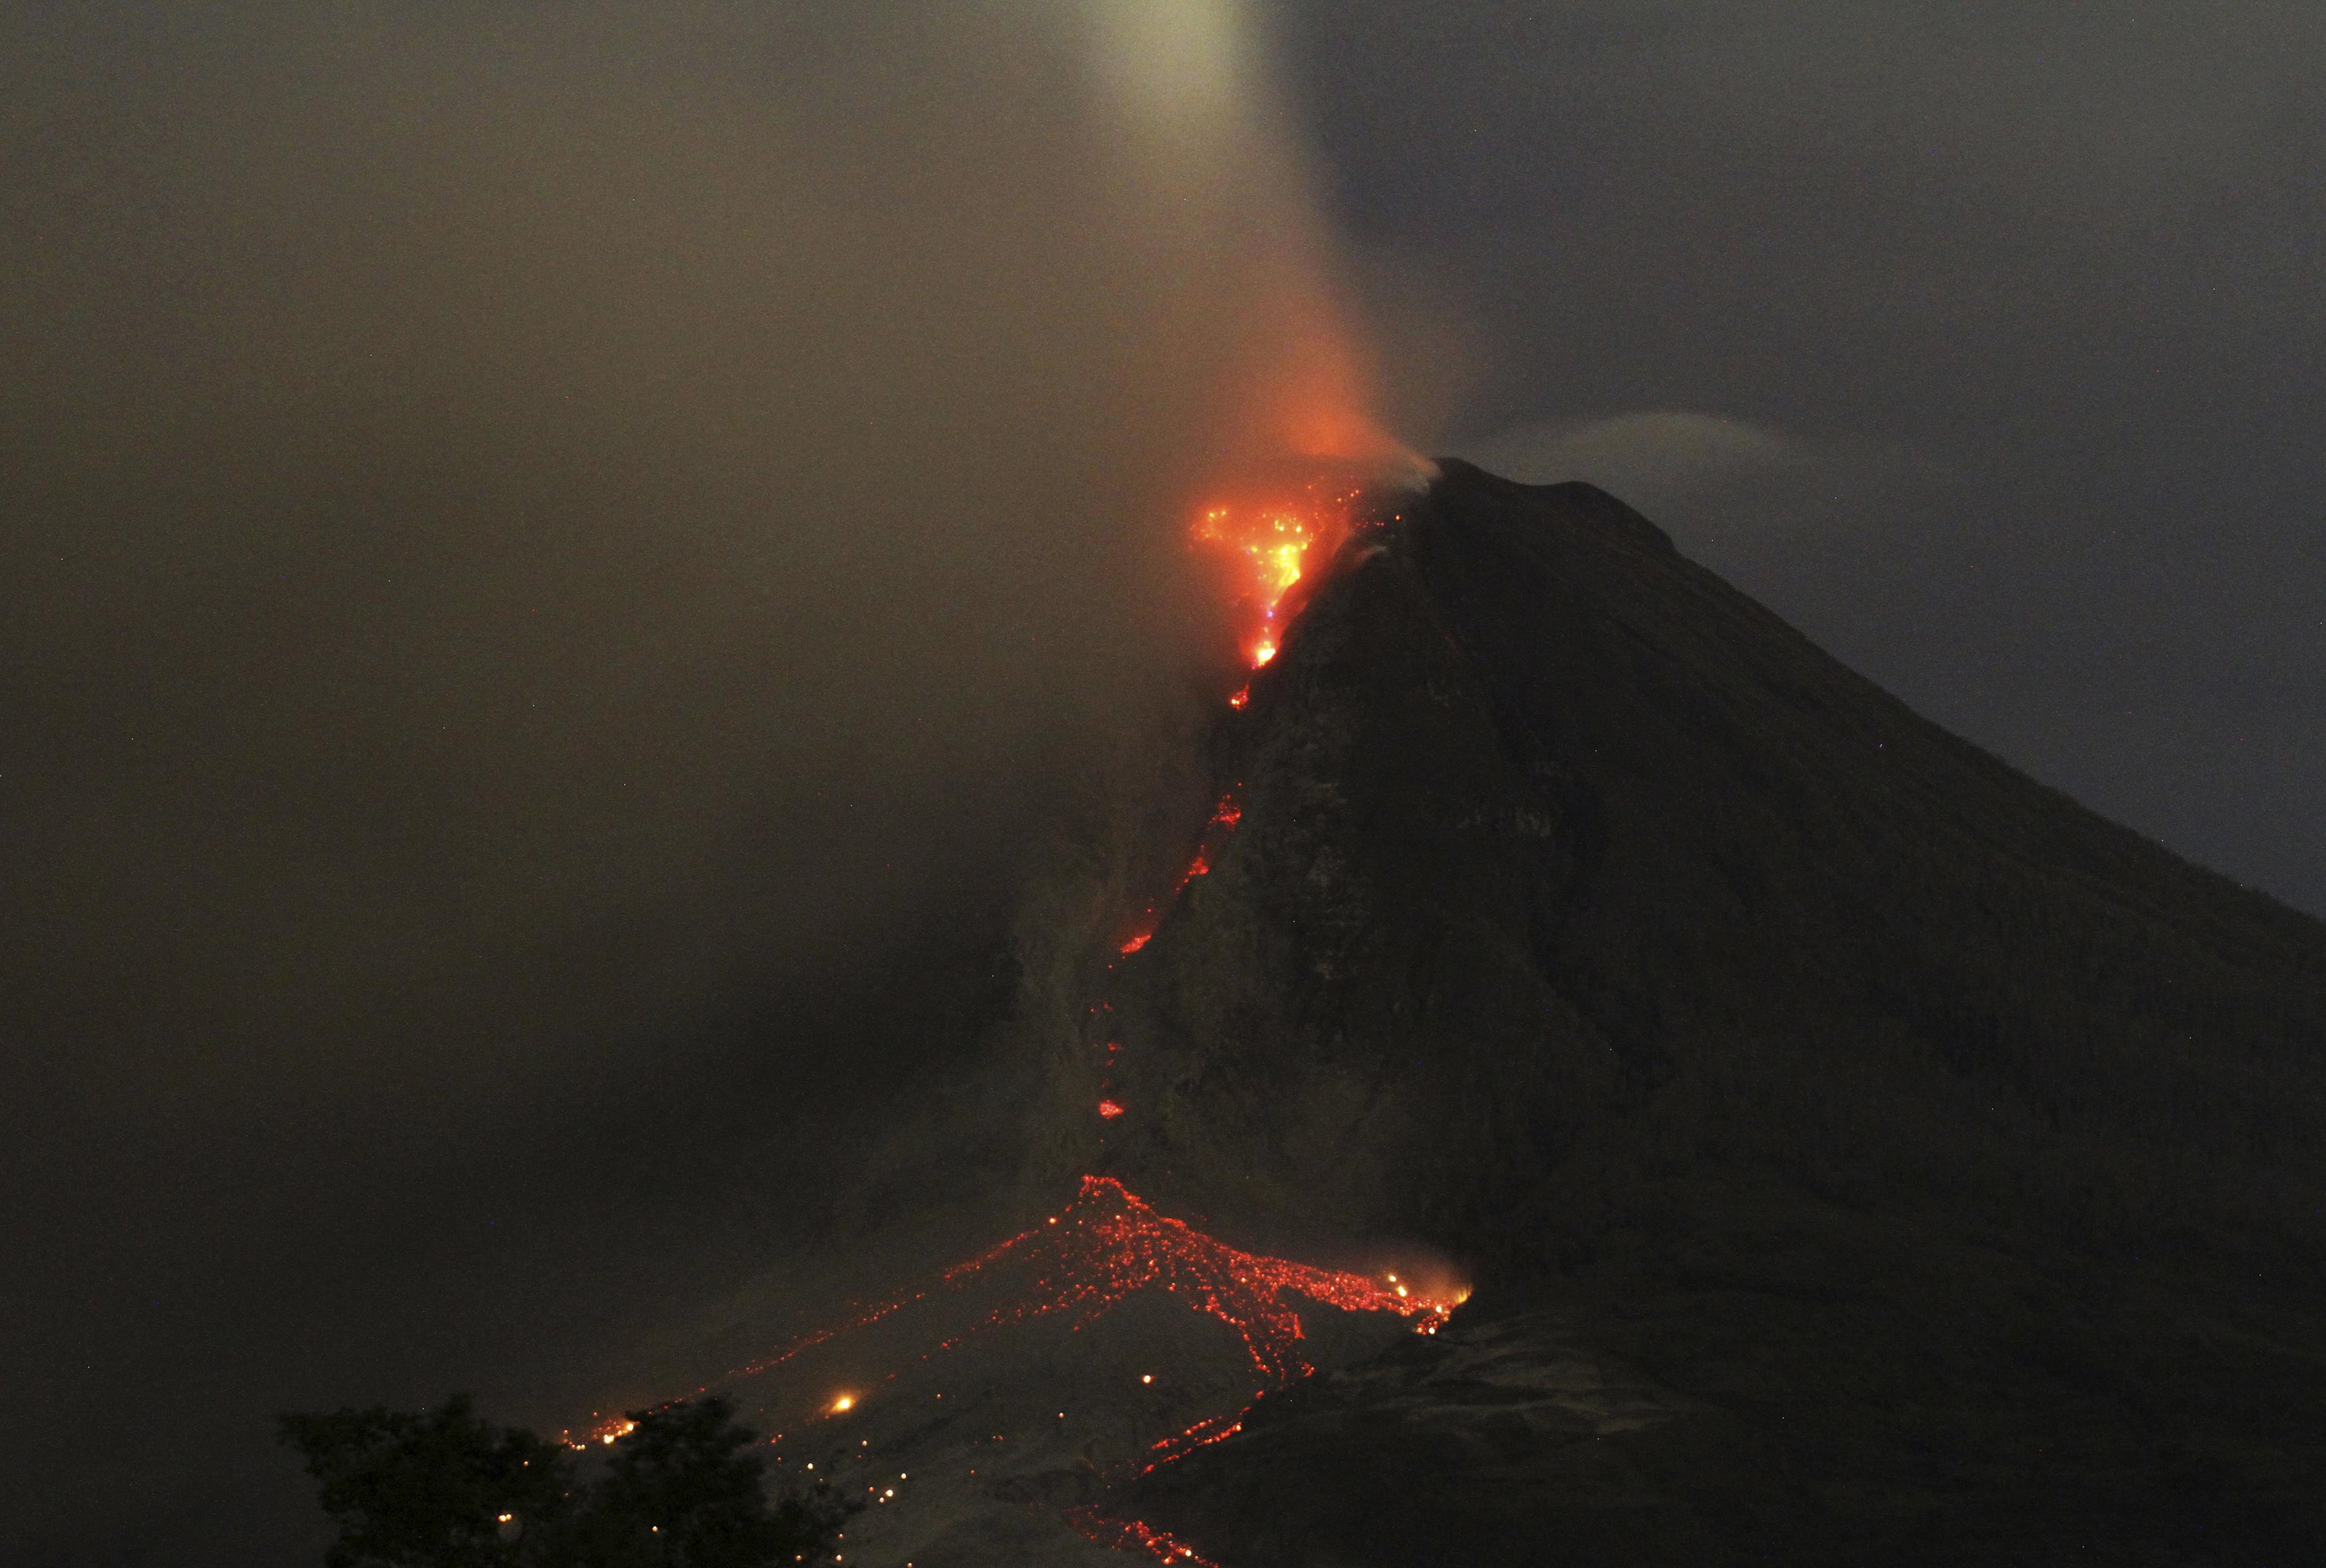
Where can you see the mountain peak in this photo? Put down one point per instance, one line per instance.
(1462, 485)
(1773, 1050)
(1862, 1152)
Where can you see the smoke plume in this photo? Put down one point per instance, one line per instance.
(539, 538)
(495, 484)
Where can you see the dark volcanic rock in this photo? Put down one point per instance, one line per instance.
(1944, 1165)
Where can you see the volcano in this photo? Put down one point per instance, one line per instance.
(1861, 1153)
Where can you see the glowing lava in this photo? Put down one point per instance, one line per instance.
(1203, 1433)
(1217, 829)
(1135, 1535)
(1270, 546)
(1109, 1245)
(1113, 1244)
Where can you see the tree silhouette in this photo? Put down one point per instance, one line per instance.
(439, 1488)
(444, 1488)
(684, 1490)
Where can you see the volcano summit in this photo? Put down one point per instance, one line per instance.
(1861, 1153)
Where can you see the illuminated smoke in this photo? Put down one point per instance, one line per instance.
(1282, 391)
(1205, 130)
(619, 434)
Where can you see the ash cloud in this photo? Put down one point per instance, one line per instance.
(548, 545)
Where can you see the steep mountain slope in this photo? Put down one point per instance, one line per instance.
(1944, 1165)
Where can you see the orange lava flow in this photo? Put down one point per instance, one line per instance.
(1216, 832)
(866, 1316)
(1270, 546)
(1212, 1429)
(1135, 1535)
(1109, 1245)
(1217, 829)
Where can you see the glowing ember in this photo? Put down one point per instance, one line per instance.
(1136, 943)
(607, 1431)
(1135, 1535)
(1108, 1110)
(843, 1404)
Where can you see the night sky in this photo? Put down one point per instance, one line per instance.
(550, 550)
(1983, 342)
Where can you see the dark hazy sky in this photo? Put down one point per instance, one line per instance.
(550, 552)
(1983, 341)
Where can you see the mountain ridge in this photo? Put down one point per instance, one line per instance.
(1862, 1152)
(1958, 1151)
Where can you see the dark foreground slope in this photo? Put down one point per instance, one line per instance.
(1865, 1153)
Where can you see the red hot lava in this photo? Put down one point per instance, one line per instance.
(1136, 1536)
(1217, 831)
(1108, 1244)
(1269, 545)
(1112, 1244)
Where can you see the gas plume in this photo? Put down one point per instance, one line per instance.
(1228, 205)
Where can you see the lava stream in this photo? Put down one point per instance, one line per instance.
(1135, 1535)
(1110, 1244)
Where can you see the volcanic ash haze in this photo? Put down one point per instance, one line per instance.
(520, 456)
(555, 552)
